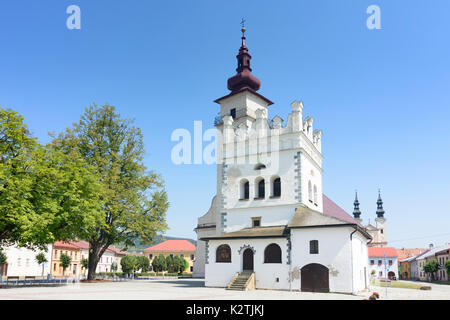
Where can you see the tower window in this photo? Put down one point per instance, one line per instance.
(315, 195)
(310, 191)
(233, 113)
(276, 187)
(260, 189)
(245, 190)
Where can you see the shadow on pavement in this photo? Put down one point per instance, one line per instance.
(184, 283)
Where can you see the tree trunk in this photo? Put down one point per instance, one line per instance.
(93, 261)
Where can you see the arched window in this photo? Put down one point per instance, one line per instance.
(260, 166)
(223, 253)
(309, 191)
(276, 187)
(245, 188)
(314, 247)
(260, 189)
(272, 253)
(315, 194)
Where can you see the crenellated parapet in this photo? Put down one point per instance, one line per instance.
(265, 135)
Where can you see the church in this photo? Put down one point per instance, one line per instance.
(269, 225)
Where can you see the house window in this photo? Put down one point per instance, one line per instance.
(192, 257)
(372, 262)
(181, 255)
(390, 262)
(379, 262)
(272, 253)
(380, 273)
(256, 222)
(192, 269)
(233, 113)
(314, 247)
(276, 187)
(150, 256)
(223, 253)
(171, 255)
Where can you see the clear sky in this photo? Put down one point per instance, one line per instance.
(381, 97)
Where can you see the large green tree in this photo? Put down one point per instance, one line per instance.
(45, 195)
(134, 201)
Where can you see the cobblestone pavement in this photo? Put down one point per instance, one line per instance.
(186, 289)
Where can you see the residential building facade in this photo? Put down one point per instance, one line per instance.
(383, 262)
(181, 248)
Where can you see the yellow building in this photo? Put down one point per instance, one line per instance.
(73, 252)
(405, 268)
(180, 248)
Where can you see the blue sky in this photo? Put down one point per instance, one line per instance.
(381, 97)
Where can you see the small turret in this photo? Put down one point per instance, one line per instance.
(356, 211)
(380, 210)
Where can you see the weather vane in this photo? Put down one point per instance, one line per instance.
(243, 23)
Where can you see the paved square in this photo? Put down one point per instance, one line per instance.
(193, 289)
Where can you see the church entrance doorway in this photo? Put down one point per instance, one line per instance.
(247, 264)
(315, 278)
(391, 274)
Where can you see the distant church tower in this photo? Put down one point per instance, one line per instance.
(378, 232)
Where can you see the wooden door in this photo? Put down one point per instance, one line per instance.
(315, 278)
(248, 260)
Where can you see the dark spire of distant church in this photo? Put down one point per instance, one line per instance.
(356, 212)
(380, 210)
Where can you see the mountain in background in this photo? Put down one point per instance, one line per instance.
(139, 246)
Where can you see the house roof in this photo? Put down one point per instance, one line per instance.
(379, 252)
(258, 232)
(333, 210)
(67, 245)
(173, 245)
(409, 253)
(434, 250)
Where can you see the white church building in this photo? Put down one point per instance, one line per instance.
(269, 224)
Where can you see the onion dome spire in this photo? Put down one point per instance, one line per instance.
(244, 78)
(380, 210)
(356, 212)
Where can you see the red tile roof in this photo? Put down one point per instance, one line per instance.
(333, 210)
(173, 245)
(61, 244)
(408, 253)
(380, 251)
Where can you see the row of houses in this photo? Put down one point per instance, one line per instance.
(407, 264)
(412, 268)
(21, 262)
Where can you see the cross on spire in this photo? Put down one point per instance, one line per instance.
(243, 23)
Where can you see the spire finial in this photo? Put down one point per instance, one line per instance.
(356, 211)
(243, 79)
(380, 210)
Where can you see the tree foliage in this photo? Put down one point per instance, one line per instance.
(129, 264)
(431, 268)
(3, 258)
(45, 195)
(134, 201)
(41, 258)
(447, 267)
(159, 263)
(85, 263)
(143, 263)
(65, 262)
